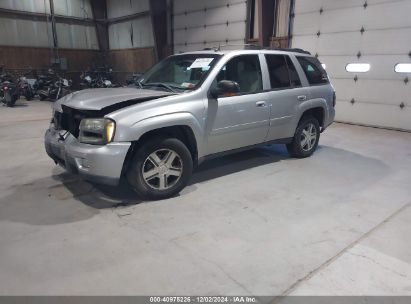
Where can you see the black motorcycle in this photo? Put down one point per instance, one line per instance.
(87, 81)
(8, 90)
(133, 79)
(98, 78)
(52, 86)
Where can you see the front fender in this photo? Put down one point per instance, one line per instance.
(138, 129)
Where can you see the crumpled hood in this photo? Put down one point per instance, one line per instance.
(98, 99)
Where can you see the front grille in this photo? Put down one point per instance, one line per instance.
(70, 119)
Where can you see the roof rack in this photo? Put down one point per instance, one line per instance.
(245, 46)
(256, 47)
(293, 50)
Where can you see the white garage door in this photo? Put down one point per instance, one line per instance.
(374, 32)
(201, 24)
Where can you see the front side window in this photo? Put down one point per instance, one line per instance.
(180, 72)
(246, 71)
(313, 70)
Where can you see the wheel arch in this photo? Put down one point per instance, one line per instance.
(184, 133)
(317, 112)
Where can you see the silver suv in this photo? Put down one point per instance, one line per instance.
(187, 108)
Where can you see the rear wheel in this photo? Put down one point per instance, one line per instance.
(10, 99)
(306, 138)
(160, 168)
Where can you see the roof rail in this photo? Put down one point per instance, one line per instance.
(256, 47)
(293, 50)
(246, 46)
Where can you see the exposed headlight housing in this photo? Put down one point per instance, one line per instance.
(97, 131)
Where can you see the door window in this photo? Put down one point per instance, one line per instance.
(294, 78)
(246, 71)
(282, 72)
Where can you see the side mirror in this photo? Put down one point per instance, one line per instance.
(225, 88)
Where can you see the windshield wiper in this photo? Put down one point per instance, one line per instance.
(159, 84)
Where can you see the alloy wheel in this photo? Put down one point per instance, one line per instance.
(308, 137)
(162, 169)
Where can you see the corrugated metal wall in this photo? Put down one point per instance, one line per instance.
(39, 34)
(119, 8)
(34, 6)
(135, 33)
(25, 33)
(74, 36)
(201, 24)
(75, 8)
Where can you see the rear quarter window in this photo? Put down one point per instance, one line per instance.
(313, 70)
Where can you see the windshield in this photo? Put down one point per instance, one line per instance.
(180, 72)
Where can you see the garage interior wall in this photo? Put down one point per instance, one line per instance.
(375, 32)
(27, 42)
(131, 39)
(204, 24)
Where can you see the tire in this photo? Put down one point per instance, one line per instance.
(158, 150)
(42, 97)
(29, 96)
(299, 148)
(10, 99)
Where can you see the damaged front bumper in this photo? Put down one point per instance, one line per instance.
(99, 164)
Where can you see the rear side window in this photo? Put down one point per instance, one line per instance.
(313, 70)
(282, 72)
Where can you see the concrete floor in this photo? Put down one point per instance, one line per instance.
(253, 223)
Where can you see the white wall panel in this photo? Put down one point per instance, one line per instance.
(76, 36)
(131, 34)
(119, 8)
(76, 8)
(34, 6)
(386, 41)
(25, 33)
(198, 24)
(39, 34)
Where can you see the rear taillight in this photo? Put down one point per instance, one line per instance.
(334, 99)
(5, 88)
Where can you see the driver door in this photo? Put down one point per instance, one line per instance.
(242, 120)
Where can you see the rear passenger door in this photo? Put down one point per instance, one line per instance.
(285, 95)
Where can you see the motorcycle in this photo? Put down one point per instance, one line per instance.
(56, 90)
(25, 87)
(8, 90)
(133, 79)
(52, 86)
(99, 78)
(87, 81)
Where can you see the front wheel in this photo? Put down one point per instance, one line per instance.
(160, 168)
(306, 138)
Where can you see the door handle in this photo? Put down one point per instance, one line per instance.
(261, 104)
(302, 98)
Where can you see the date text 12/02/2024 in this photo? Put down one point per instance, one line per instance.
(204, 299)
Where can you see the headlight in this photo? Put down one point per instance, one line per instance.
(97, 131)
